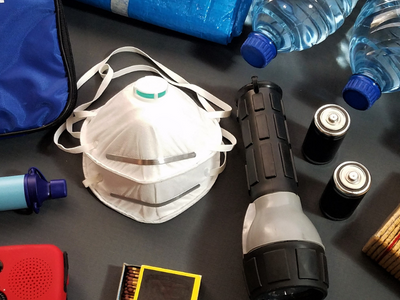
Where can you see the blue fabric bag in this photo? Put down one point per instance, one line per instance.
(37, 74)
(214, 20)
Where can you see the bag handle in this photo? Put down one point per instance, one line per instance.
(107, 73)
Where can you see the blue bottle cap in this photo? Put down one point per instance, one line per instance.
(258, 50)
(37, 189)
(361, 92)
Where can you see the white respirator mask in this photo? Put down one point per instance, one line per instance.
(151, 151)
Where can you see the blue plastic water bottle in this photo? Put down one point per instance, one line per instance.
(374, 54)
(291, 25)
(29, 191)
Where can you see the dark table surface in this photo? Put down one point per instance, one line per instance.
(206, 239)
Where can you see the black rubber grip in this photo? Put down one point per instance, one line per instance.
(291, 269)
(269, 159)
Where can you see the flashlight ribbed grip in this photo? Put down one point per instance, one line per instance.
(269, 160)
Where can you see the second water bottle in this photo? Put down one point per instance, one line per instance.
(291, 25)
(374, 54)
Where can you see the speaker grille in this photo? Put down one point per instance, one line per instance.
(31, 278)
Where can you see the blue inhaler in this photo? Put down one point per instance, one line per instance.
(29, 191)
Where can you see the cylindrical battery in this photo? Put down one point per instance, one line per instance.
(345, 190)
(325, 134)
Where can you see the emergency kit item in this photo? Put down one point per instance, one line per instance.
(283, 255)
(38, 84)
(148, 282)
(150, 152)
(347, 187)
(325, 134)
(29, 191)
(384, 246)
(38, 272)
(214, 20)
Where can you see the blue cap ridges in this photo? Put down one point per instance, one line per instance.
(361, 92)
(258, 50)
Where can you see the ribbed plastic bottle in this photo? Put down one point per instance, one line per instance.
(374, 54)
(291, 25)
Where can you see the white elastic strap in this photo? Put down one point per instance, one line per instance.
(177, 80)
(201, 93)
(107, 73)
(90, 181)
(75, 118)
(230, 137)
(79, 113)
(223, 149)
(220, 169)
(73, 150)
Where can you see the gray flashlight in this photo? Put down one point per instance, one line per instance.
(283, 255)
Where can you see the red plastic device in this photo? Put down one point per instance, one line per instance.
(33, 272)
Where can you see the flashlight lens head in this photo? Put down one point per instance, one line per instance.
(298, 293)
(289, 270)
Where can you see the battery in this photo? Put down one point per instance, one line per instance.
(345, 190)
(325, 134)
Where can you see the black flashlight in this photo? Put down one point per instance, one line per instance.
(283, 255)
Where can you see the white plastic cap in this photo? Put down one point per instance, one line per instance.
(151, 88)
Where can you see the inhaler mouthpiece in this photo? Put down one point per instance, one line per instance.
(29, 191)
(58, 188)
